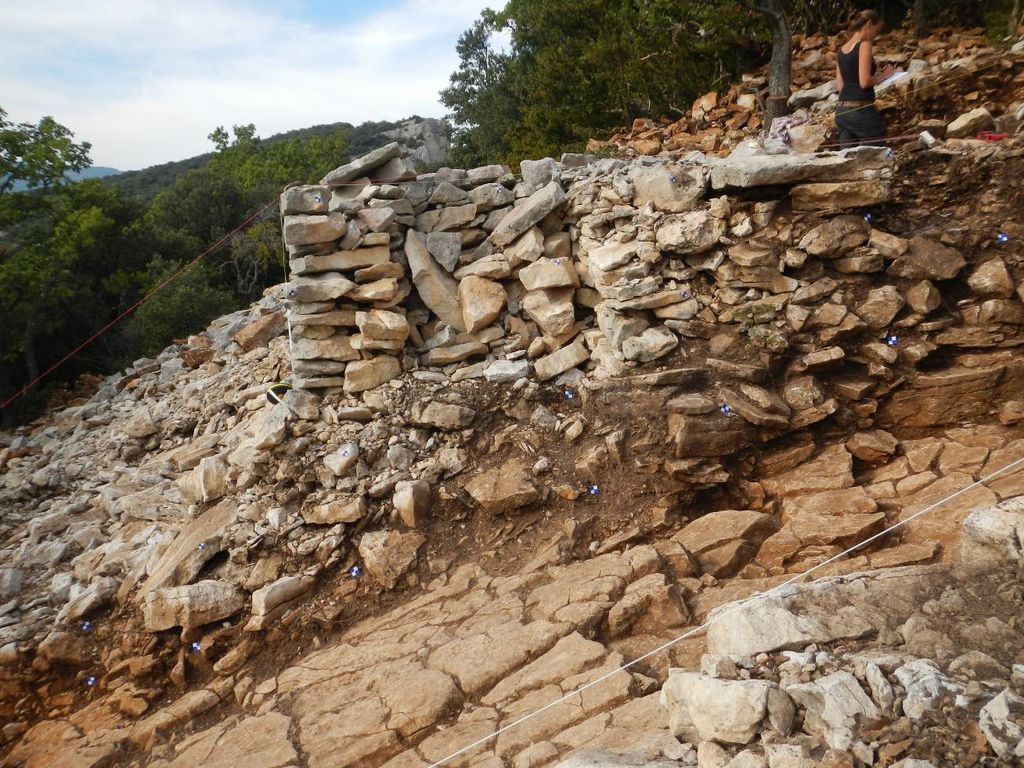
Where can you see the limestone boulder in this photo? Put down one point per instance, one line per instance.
(305, 199)
(283, 590)
(482, 301)
(650, 604)
(995, 534)
(880, 307)
(927, 259)
(538, 173)
(854, 164)
(141, 424)
(11, 581)
(552, 309)
(61, 648)
(272, 427)
(1002, 722)
(342, 460)
(343, 260)
(650, 345)
(992, 280)
(671, 188)
(446, 248)
(927, 689)
(412, 500)
(888, 246)
(833, 706)
(362, 375)
(924, 297)
(446, 219)
(199, 540)
(507, 371)
(337, 347)
(702, 708)
(389, 555)
(438, 415)
(840, 195)
(487, 197)
(874, 447)
(305, 229)
(809, 96)
(528, 213)
(611, 255)
(341, 509)
(260, 332)
(438, 290)
(362, 166)
(527, 248)
(207, 482)
(835, 237)
(690, 233)
(192, 605)
(970, 123)
(322, 288)
(619, 326)
(503, 489)
(382, 330)
(549, 273)
(561, 360)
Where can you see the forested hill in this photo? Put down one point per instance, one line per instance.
(143, 185)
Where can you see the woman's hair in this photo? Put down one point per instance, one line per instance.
(860, 20)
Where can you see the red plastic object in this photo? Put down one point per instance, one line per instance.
(990, 136)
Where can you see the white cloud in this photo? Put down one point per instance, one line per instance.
(146, 84)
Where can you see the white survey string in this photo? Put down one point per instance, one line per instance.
(730, 610)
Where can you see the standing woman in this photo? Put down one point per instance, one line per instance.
(856, 117)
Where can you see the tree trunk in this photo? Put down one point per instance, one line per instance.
(920, 19)
(31, 365)
(1016, 18)
(781, 67)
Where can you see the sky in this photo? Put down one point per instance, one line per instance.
(145, 81)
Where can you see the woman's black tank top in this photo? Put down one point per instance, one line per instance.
(849, 67)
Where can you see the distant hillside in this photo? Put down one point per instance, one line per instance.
(95, 172)
(145, 184)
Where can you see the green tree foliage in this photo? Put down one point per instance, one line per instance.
(39, 155)
(184, 305)
(74, 256)
(65, 267)
(575, 69)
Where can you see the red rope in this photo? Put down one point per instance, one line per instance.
(163, 283)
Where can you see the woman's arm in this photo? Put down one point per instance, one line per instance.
(839, 78)
(864, 65)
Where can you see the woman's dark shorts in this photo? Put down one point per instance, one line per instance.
(859, 126)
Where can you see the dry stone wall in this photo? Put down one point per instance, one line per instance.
(583, 263)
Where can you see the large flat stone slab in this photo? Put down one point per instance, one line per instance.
(856, 164)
